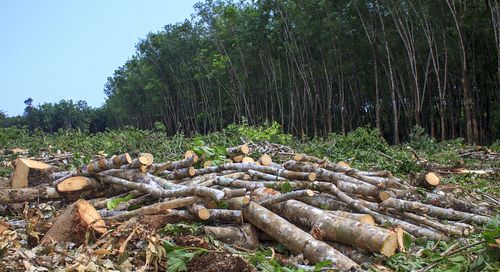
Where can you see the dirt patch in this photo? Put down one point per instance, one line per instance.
(190, 241)
(212, 262)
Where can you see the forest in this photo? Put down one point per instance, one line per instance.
(314, 67)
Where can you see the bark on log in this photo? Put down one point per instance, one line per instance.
(448, 229)
(287, 196)
(244, 167)
(181, 173)
(29, 173)
(264, 176)
(413, 229)
(73, 224)
(450, 214)
(9, 196)
(111, 163)
(199, 210)
(172, 165)
(156, 208)
(230, 193)
(162, 193)
(307, 158)
(242, 236)
(225, 216)
(326, 202)
(363, 218)
(293, 238)
(325, 226)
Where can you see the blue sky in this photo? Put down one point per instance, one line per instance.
(52, 50)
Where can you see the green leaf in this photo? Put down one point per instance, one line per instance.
(176, 265)
(322, 264)
(286, 187)
(111, 204)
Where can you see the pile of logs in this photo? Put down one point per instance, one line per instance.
(320, 209)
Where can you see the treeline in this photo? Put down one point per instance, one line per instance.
(66, 114)
(317, 67)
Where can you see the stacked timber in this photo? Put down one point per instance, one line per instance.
(320, 209)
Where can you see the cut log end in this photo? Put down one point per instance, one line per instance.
(265, 160)
(312, 176)
(367, 219)
(203, 213)
(384, 195)
(432, 178)
(245, 149)
(191, 171)
(343, 164)
(149, 158)
(299, 157)
(248, 160)
(428, 180)
(190, 154)
(237, 159)
(390, 244)
(74, 184)
(207, 164)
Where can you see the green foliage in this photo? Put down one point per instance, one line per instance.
(111, 204)
(181, 228)
(179, 257)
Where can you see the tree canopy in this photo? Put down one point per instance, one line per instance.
(315, 67)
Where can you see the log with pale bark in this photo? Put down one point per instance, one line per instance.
(292, 237)
(324, 225)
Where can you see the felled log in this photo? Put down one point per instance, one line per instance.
(307, 158)
(448, 229)
(73, 224)
(428, 180)
(287, 196)
(325, 202)
(230, 193)
(9, 196)
(243, 167)
(104, 164)
(238, 150)
(173, 165)
(156, 208)
(162, 193)
(264, 176)
(363, 218)
(29, 173)
(242, 236)
(225, 216)
(415, 230)
(181, 173)
(324, 225)
(76, 184)
(199, 210)
(450, 214)
(292, 237)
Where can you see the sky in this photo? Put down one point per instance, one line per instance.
(66, 49)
